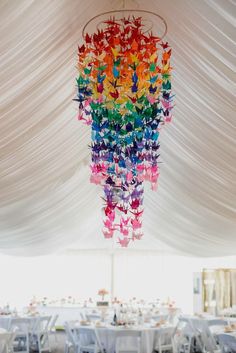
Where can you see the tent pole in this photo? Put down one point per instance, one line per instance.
(112, 276)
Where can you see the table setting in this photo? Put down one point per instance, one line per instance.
(109, 330)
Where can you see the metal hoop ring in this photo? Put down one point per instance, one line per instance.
(125, 10)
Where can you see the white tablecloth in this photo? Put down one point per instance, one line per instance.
(149, 335)
(7, 321)
(65, 313)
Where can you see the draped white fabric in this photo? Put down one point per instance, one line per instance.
(47, 203)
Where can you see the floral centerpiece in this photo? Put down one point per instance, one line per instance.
(31, 309)
(102, 293)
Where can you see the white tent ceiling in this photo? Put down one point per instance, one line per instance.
(47, 203)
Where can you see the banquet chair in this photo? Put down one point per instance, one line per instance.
(71, 338)
(227, 343)
(6, 341)
(164, 340)
(206, 339)
(186, 337)
(82, 316)
(93, 317)
(52, 328)
(173, 316)
(89, 341)
(215, 325)
(128, 341)
(40, 335)
(22, 328)
(52, 323)
(159, 318)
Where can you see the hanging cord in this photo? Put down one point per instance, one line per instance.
(123, 7)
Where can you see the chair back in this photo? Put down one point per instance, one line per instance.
(82, 315)
(165, 334)
(88, 336)
(159, 318)
(128, 340)
(186, 329)
(227, 343)
(93, 317)
(6, 342)
(173, 315)
(42, 324)
(181, 333)
(70, 333)
(205, 337)
(52, 322)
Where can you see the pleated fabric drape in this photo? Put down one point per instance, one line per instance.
(46, 201)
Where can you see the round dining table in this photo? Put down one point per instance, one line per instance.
(149, 335)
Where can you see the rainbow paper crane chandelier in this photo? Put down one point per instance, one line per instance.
(124, 94)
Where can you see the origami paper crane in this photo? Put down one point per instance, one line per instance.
(124, 94)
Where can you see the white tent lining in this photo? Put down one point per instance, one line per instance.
(47, 203)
